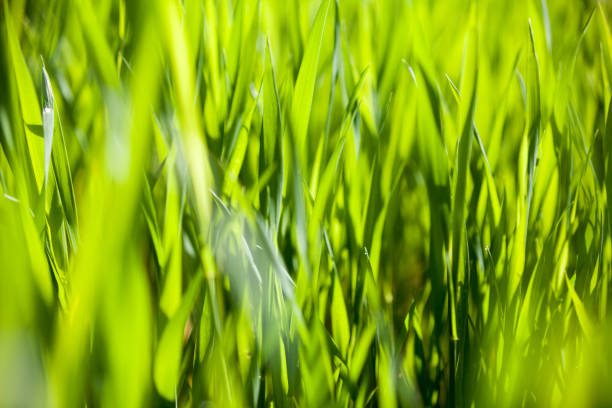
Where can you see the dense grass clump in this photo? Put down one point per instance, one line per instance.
(216, 203)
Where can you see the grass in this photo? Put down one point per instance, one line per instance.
(305, 203)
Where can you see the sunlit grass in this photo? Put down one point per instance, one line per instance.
(305, 203)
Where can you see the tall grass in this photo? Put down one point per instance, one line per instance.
(305, 203)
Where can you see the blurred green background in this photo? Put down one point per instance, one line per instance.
(305, 203)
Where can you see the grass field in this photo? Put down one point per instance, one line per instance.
(305, 203)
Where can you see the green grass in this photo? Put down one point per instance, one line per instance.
(305, 203)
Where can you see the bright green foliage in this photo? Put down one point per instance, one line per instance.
(311, 203)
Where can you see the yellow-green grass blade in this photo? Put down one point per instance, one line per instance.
(305, 83)
(28, 102)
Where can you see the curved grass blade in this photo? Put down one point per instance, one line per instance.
(48, 116)
(304, 85)
(56, 149)
(169, 351)
(28, 102)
